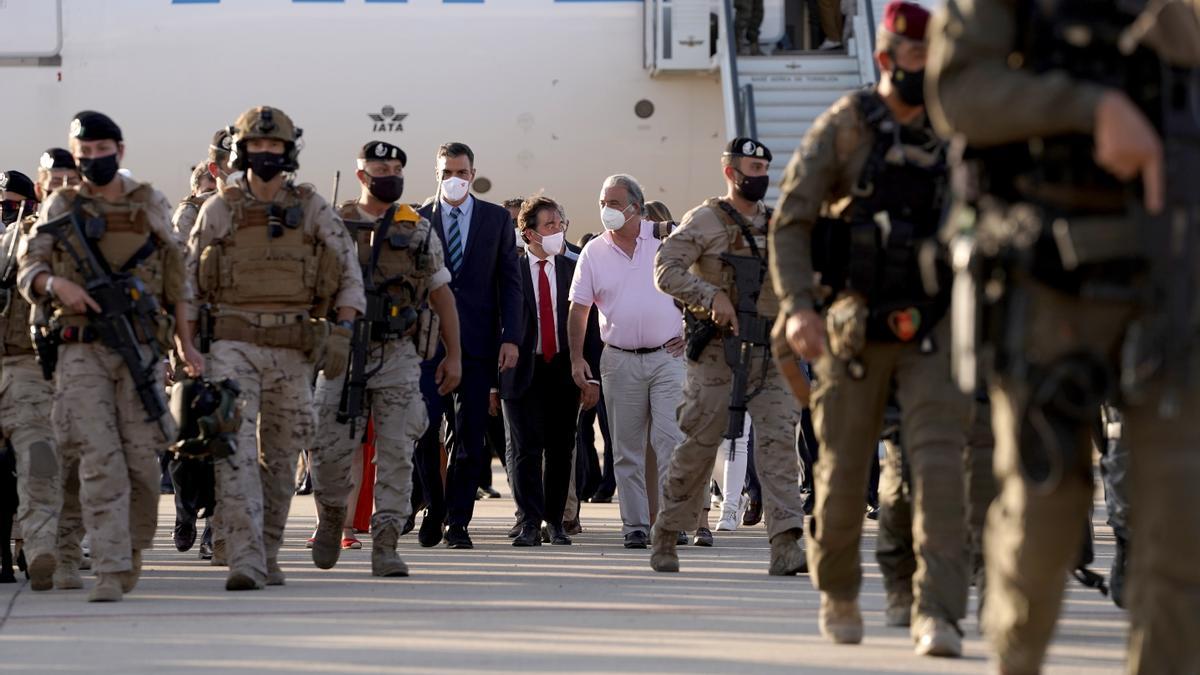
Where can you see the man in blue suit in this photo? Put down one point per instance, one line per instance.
(478, 240)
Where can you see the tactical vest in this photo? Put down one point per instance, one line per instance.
(271, 255)
(14, 314)
(714, 271)
(402, 264)
(895, 208)
(1077, 37)
(121, 233)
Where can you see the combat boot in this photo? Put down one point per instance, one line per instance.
(41, 572)
(67, 579)
(787, 558)
(275, 576)
(218, 554)
(327, 540)
(240, 581)
(384, 560)
(936, 637)
(899, 610)
(129, 579)
(663, 557)
(840, 620)
(107, 588)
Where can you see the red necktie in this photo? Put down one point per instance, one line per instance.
(546, 314)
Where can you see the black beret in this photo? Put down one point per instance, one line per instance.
(381, 151)
(57, 158)
(15, 181)
(747, 147)
(90, 125)
(221, 142)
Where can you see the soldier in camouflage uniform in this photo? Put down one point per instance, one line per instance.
(689, 267)
(97, 412)
(218, 168)
(25, 396)
(56, 169)
(270, 259)
(1098, 143)
(873, 166)
(393, 246)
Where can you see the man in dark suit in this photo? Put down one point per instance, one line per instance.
(540, 398)
(478, 241)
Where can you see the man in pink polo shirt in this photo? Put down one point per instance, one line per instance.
(642, 332)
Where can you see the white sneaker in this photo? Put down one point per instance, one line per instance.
(728, 522)
(829, 45)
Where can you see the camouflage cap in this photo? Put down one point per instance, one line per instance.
(264, 122)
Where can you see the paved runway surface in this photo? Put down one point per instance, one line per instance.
(589, 608)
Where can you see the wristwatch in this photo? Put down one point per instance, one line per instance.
(346, 323)
(50, 285)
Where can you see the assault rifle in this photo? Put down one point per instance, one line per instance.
(754, 335)
(126, 320)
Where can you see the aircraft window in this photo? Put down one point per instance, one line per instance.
(644, 108)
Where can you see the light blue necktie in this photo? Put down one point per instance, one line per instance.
(454, 240)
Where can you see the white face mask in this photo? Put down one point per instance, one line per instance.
(454, 189)
(520, 239)
(612, 218)
(552, 244)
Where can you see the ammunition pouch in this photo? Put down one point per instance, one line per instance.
(389, 321)
(428, 333)
(846, 327)
(1064, 399)
(698, 332)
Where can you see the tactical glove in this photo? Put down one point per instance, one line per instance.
(337, 351)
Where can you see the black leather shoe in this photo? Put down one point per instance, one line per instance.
(681, 539)
(572, 527)
(753, 515)
(184, 535)
(489, 492)
(206, 547)
(431, 531)
(528, 536)
(601, 499)
(557, 536)
(636, 539)
(704, 537)
(409, 524)
(515, 530)
(457, 537)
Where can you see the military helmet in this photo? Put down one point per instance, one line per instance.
(265, 122)
(208, 416)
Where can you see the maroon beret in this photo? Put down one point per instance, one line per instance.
(906, 19)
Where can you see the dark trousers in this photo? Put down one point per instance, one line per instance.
(494, 446)
(597, 481)
(542, 423)
(466, 413)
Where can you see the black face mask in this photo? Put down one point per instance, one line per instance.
(9, 212)
(99, 170)
(386, 188)
(753, 188)
(910, 85)
(266, 165)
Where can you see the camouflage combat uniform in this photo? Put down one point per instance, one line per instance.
(689, 268)
(97, 414)
(263, 291)
(393, 397)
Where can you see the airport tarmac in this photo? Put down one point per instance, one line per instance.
(593, 607)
